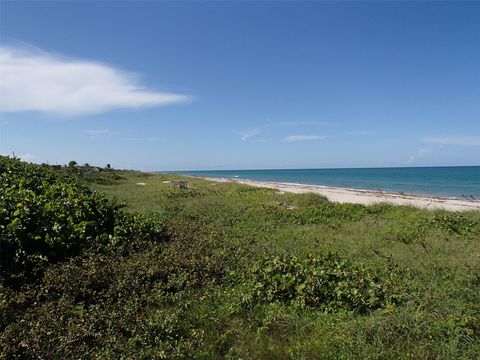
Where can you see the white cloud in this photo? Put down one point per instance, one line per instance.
(253, 132)
(410, 160)
(41, 82)
(361, 132)
(453, 140)
(247, 134)
(294, 138)
(142, 139)
(281, 123)
(313, 123)
(419, 153)
(95, 134)
(424, 151)
(27, 157)
(295, 123)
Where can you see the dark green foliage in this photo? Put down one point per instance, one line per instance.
(328, 283)
(202, 273)
(101, 305)
(46, 216)
(331, 213)
(92, 175)
(456, 223)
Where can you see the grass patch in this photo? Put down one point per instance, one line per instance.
(227, 271)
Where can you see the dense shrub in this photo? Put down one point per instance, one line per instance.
(330, 213)
(456, 223)
(328, 283)
(100, 305)
(99, 177)
(46, 216)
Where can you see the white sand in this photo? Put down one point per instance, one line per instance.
(364, 197)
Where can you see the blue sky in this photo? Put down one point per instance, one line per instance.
(241, 85)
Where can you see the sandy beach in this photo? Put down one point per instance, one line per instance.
(364, 197)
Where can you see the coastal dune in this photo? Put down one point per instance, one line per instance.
(364, 197)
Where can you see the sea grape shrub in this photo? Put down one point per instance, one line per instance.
(328, 283)
(131, 228)
(100, 306)
(331, 213)
(100, 177)
(46, 216)
(456, 223)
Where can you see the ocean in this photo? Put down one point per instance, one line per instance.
(448, 181)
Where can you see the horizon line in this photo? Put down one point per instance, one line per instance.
(320, 168)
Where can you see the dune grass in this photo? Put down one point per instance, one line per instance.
(437, 254)
(249, 273)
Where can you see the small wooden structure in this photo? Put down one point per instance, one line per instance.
(180, 184)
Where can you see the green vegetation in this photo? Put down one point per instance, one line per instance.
(226, 271)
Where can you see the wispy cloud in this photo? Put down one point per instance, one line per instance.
(418, 153)
(296, 123)
(281, 123)
(453, 140)
(96, 134)
(295, 138)
(54, 85)
(250, 133)
(361, 132)
(254, 132)
(142, 139)
(312, 123)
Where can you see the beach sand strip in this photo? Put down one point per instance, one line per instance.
(364, 197)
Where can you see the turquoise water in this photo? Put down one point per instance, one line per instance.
(451, 181)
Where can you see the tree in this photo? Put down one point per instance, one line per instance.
(72, 164)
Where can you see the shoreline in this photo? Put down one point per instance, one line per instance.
(359, 196)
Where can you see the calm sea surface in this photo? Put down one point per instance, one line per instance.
(451, 181)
